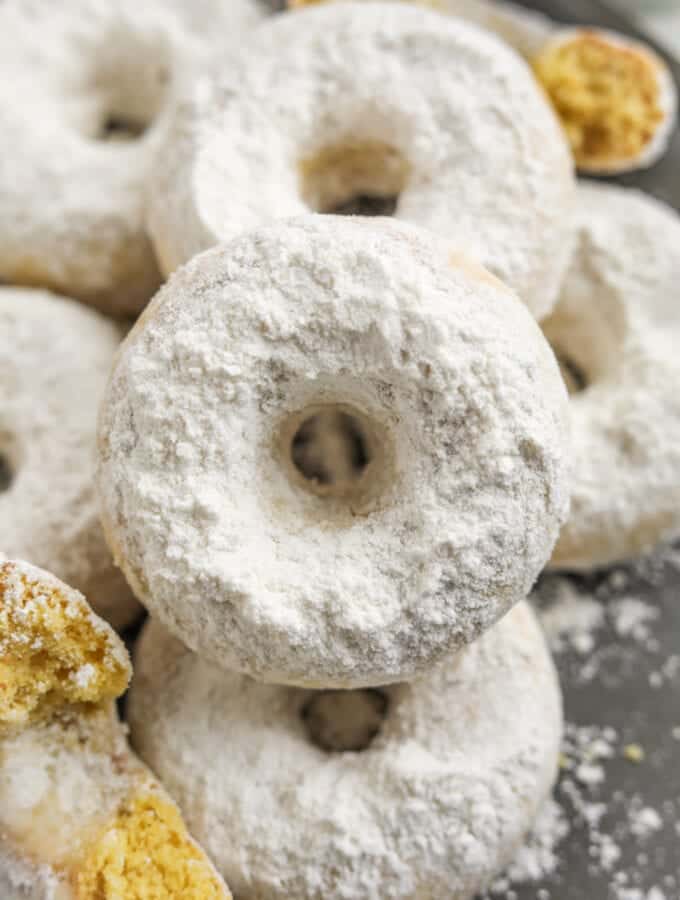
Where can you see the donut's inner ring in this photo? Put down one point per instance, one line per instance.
(574, 377)
(586, 335)
(335, 451)
(124, 87)
(345, 721)
(354, 178)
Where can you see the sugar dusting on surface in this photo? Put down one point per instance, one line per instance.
(619, 830)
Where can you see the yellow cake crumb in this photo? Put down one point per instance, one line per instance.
(53, 649)
(146, 854)
(634, 753)
(607, 95)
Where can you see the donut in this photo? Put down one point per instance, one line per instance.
(82, 110)
(615, 97)
(81, 818)
(413, 790)
(439, 120)
(614, 329)
(55, 356)
(331, 452)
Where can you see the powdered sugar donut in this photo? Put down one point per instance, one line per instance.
(379, 99)
(437, 785)
(55, 356)
(615, 327)
(331, 452)
(80, 817)
(81, 113)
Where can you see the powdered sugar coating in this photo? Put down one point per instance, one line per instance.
(617, 318)
(71, 199)
(55, 356)
(463, 413)
(524, 29)
(22, 880)
(435, 806)
(485, 161)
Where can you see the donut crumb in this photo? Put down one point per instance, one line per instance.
(53, 650)
(606, 94)
(330, 448)
(146, 854)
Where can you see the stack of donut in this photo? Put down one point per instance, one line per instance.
(333, 453)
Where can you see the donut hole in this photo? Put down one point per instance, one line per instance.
(586, 343)
(117, 127)
(335, 452)
(6, 473)
(128, 86)
(354, 178)
(9, 455)
(573, 375)
(330, 449)
(345, 721)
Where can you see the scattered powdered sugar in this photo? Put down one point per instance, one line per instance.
(572, 619)
(604, 825)
(607, 824)
(645, 821)
(668, 671)
(539, 856)
(632, 617)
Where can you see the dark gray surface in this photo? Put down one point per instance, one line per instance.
(622, 695)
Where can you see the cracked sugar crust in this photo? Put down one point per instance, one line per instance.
(81, 818)
(93, 90)
(482, 159)
(436, 806)
(55, 357)
(458, 484)
(616, 318)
